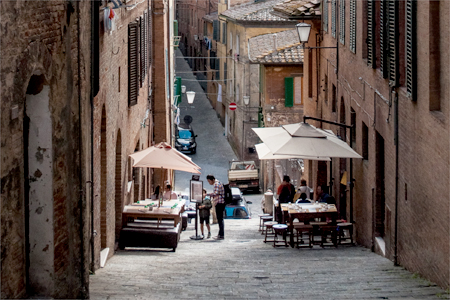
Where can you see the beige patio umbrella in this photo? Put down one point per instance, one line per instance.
(163, 156)
(304, 139)
(264, 153)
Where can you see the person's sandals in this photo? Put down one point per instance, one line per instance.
(209, 235)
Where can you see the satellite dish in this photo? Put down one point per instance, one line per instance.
(187, 119)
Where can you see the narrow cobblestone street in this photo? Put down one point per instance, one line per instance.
(242, 266)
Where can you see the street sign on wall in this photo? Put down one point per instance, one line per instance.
(232, 106)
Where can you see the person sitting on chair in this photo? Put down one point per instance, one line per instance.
(302, 199)
(322, 196)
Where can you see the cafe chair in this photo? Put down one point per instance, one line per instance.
(316, 230)
(270, 234)
(329, 236)
(280, 230)
(265, 219)
(345, 233)
(261, 222)
(302, 229)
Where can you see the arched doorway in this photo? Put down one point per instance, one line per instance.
(118, 185)
(38, 172)
(103, 182)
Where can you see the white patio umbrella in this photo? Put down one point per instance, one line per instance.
(304, 139)
(264, 153)
(164, 156)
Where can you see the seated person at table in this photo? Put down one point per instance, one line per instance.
(204, 209)
(169, 194)
(322, 196)
(304, 189)
(155, 194)
(302, 199)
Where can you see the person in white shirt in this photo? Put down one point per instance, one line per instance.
(304, 189)
(168, 194)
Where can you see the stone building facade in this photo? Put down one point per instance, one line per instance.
(45, 99)
(396, 99)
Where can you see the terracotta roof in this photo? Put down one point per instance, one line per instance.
(288, 48)
(255, 11)
(297, 8)
(211, 17)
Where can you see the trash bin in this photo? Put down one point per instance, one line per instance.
(268, 203)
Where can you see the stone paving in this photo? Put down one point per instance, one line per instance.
(242, 266)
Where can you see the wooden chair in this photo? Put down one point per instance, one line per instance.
(300, 230)
(344, 228)
(328, 232)
(280, 230)
(261, 223)
(265, 219)
(269, 232)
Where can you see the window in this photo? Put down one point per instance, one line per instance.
(216, 30)
(333, 18)
(133, 66)
(289, 91)
(342, 21)
(230, 41)
(411, 73)
(325, 15)
(225, 72)
(365, 141)
(224, 33)
(353, 123)
(434, 57)
(237, 45)
(371, 36)
(298, 88)
(352, 37)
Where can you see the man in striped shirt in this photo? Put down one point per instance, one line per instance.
(218, 199)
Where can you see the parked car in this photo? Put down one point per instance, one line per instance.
(238, 207)
(185, 138)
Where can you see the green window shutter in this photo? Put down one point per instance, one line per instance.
(224, 33)
(178, 89)
(216, 30)
(175, 27)
(411, 73)
(325, 15)
(333, 18)
(371, 50)
(342, 21)
(393, 43)
(353, 26)
(225, 72)
(289, 91)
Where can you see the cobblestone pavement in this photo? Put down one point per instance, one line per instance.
(243, 267)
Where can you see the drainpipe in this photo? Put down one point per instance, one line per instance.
(396, 176)
(80, 148)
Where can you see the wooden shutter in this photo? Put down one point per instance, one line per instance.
(333, 18)
(384, 41)
(216, 30)
(289, 91)
(145, 44)
(411, 74)
(393, 42)
(371, 50)
(133, 67)
(325, 15)
(218, 69)
(212, 60)
(353, 26)
(224, 33)
(149, 36)
(225, 73)
(342, 21)
(141, 50)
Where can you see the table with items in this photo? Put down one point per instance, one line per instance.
(305, 212)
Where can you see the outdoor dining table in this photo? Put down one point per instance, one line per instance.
(304, 212)
(169, 210)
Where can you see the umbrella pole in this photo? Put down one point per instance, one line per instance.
(160, 200)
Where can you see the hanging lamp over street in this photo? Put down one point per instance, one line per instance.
(190, 96)
(303, 30)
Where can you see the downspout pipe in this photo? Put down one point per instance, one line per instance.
(395, 95)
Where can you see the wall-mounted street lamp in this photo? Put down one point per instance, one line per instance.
(183, 89)
(190, 96)
(303, 31)
(246, 100)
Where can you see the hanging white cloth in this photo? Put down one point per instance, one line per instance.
(219, 94)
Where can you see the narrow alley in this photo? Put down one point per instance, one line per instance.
(242, 266)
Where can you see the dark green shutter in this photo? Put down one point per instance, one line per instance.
(141, 50)
(175, 27)
(371, 50)
(133, 67)
(325, 15)
(289, 91)
(224, 33)
(178, 89)
(411, 61)
(333, 18)
(225, 72)
(353, 26)
(384, 40)
(342, 21)
(216, 30)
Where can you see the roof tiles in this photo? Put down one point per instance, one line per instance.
(255, 11)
